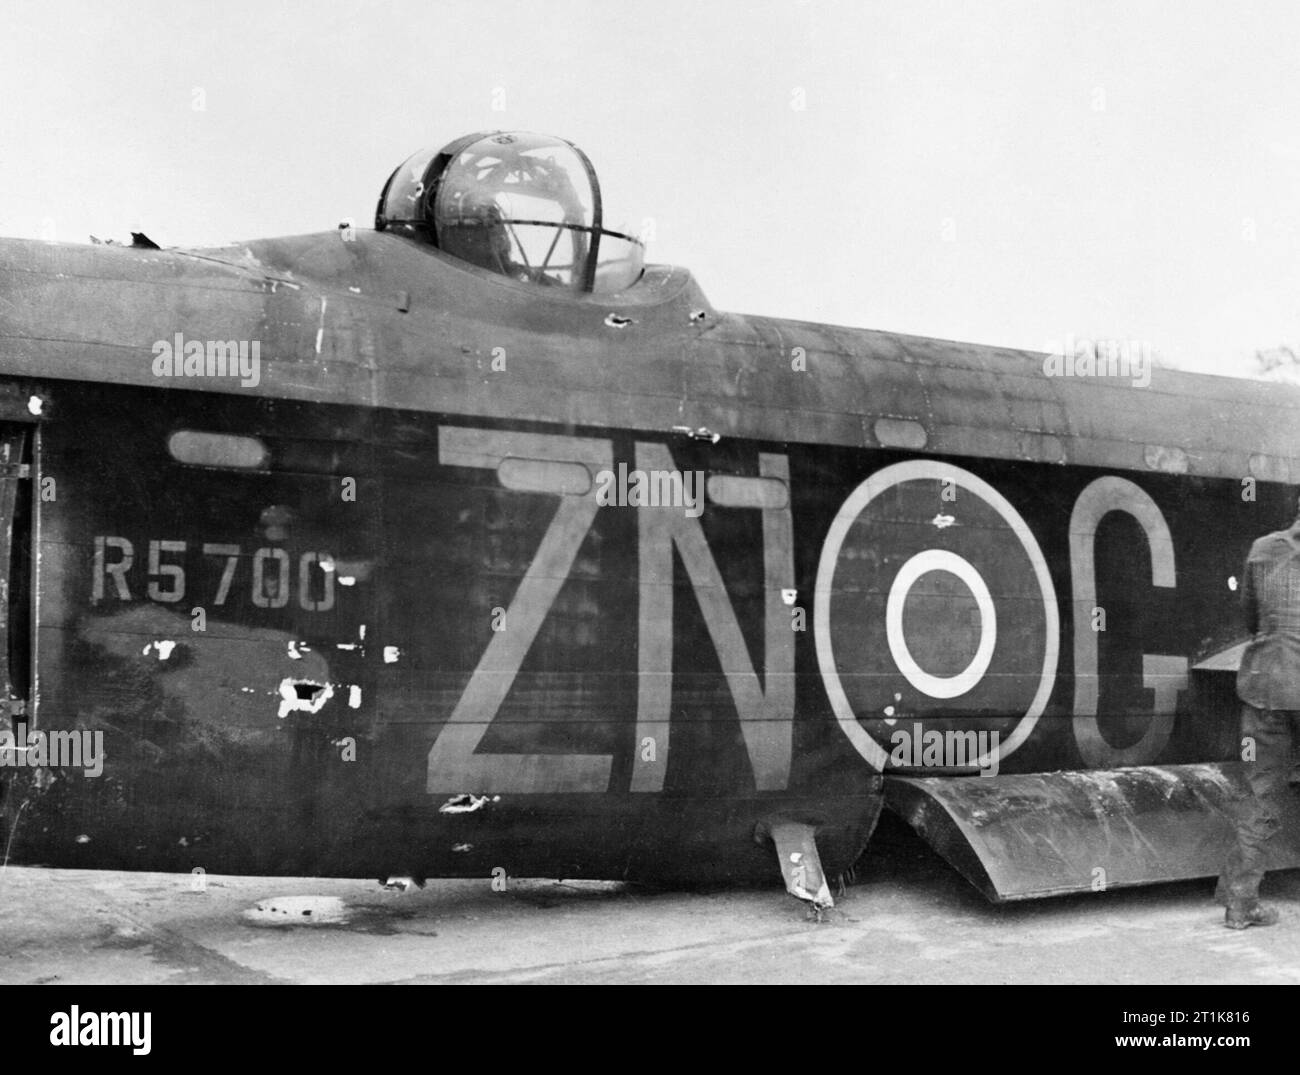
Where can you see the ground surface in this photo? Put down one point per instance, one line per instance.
(909, 919)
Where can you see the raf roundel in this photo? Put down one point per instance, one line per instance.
(934, 604)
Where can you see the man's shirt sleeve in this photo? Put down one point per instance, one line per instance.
(1249, 599)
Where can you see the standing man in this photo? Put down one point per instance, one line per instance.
(1268, 684)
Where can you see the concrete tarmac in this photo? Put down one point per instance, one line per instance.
(908, 919)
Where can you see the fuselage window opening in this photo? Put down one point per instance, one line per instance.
(196, 448)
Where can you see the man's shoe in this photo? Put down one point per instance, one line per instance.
(1242, 915)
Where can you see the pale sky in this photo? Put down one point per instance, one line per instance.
(999, 172)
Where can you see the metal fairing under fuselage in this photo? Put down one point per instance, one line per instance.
(395, 609)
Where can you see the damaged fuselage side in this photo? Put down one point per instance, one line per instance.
(321, 634)
(362, 609)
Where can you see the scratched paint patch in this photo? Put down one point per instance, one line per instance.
(297, 911)
(227, 688)
(465, 804)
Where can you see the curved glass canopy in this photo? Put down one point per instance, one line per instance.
(526, 206)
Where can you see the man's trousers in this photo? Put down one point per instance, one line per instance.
(1268, 733)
